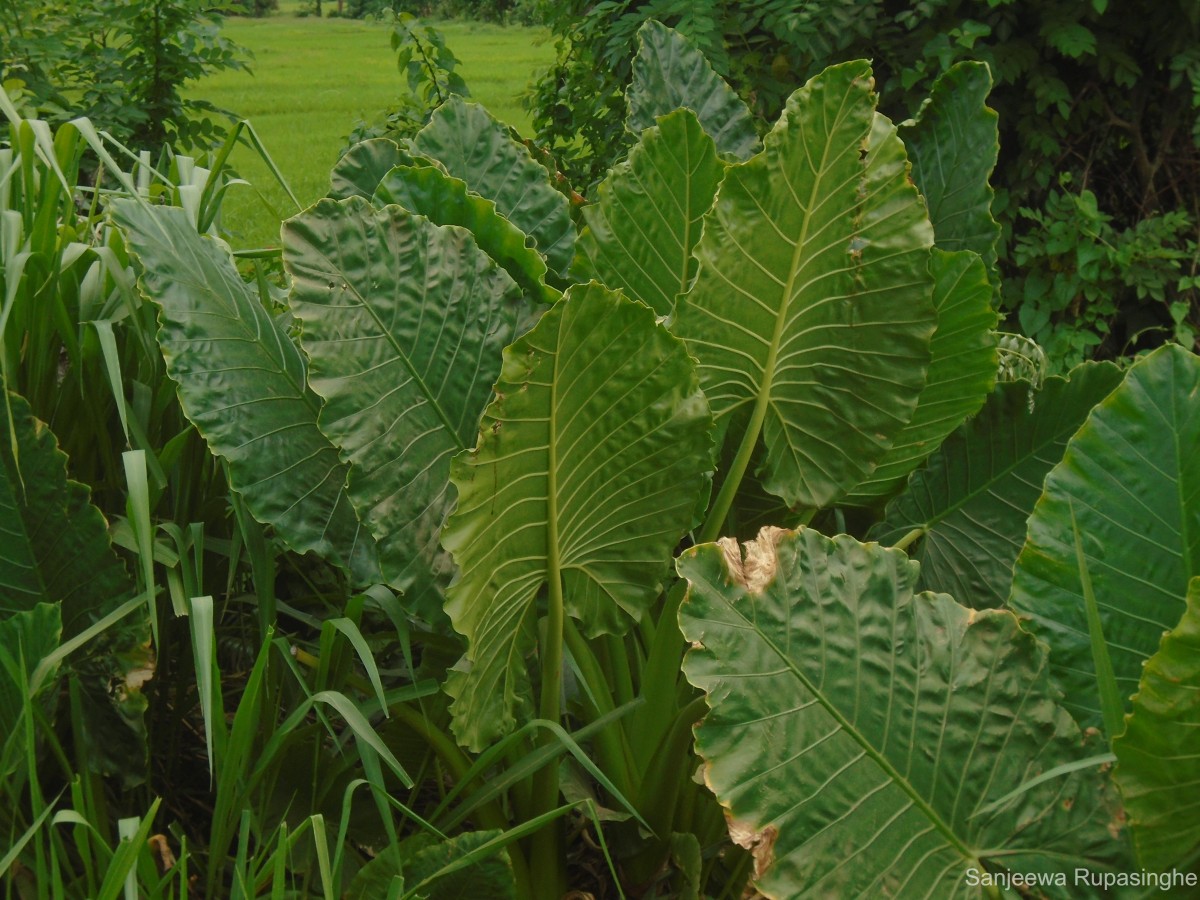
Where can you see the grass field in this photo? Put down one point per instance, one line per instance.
(313, 79)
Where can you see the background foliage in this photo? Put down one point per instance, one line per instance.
(1099, 105)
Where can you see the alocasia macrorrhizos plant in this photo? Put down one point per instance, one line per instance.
(791, 306)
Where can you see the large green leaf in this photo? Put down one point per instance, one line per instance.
(968, 506)
(1131, 478)
(445, 200)
(54, 545)
(669, 73)
(586, 473)
(647, 218)
(404, 322)
(953, 145)
(865, 740)
(473, 146)
(243, 383)
(962, 371)
(813, 303)
(359, 172)
(1158, 756)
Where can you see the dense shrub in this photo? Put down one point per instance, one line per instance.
(123, 65)
(1098, 108)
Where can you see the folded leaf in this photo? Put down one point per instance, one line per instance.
(445, 200)
(962, 371)
(359, 172)
(471, 145)
(856, 728)
(587, 469)
(1132, 475)
(953, 144)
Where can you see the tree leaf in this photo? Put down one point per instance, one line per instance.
(1132, 474)
(587, 469)
(669, 73)
(404, 322)
(1158, 759)
(855, 728)
(361, 169)
(962, 371)
(471, 145)
(647, 218)
(953, 144)
(242, 382)
(445, 200)
(54, 545)
(813, 301)
(970, 502)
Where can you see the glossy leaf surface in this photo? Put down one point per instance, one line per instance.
(359, 172)
(587, 469)
(858, 733)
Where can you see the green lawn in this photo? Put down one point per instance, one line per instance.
(313, 79)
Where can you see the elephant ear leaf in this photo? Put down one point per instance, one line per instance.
(868, 741)
(445, 200)
(953, 144)
(404, 322)
(643, 227)
(243, 383)
(469, 144)
(962, 371)
(1131, 474)
(1157, 759)
(54, 545)
(669, 73)
(586, 473)
(813, 303)
(965, 512)
(359, 172)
